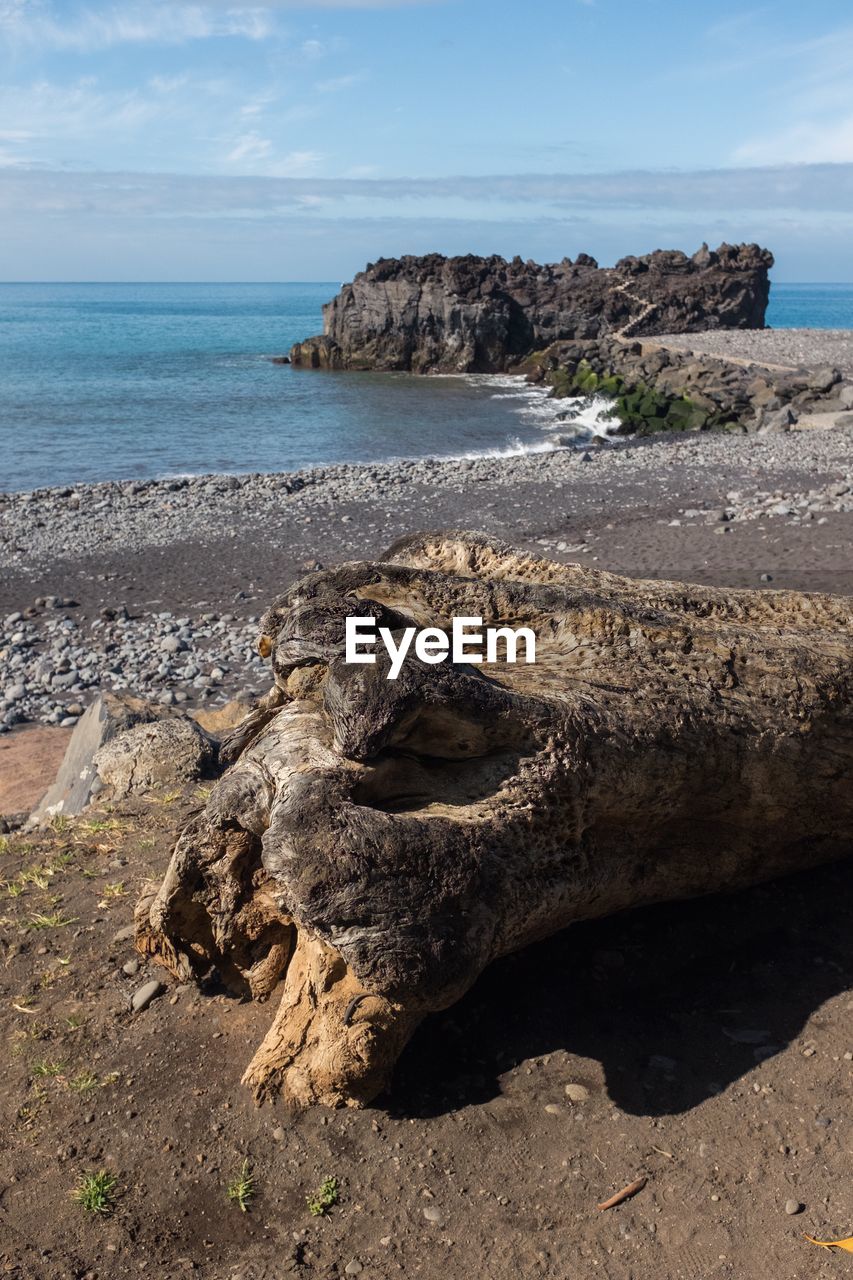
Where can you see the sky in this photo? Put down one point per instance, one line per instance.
(300, 139)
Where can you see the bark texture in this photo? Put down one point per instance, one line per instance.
(374, 844)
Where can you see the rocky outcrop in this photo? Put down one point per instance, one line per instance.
(481, 315)
(657, 388)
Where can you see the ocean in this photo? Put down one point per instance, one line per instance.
(120, 381)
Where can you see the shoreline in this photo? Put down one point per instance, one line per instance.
(166, 579)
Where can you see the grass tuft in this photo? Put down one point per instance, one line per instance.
(95, 1192)
(84, 1082)
(54, 921)
(43, 1068)
(242, 1189)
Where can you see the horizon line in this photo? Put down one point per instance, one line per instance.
(188, 283)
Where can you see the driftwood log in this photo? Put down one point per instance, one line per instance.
(374, 844)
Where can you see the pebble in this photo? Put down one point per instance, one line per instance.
(793, 1206)
(577, 1092)
(553, 1109)
(163, 656)
(131, 968)
(354, 1268)
(431, 1213)
(143, 997)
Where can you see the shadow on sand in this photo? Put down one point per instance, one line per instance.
(675, 1001)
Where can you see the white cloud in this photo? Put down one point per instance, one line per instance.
(253, 154)
(249, 149)
(341, 4)
(782, 191)
(89, 29)
(339, 83)
(811, 104)
(810, 142)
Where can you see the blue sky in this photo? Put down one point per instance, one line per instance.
(300, 139)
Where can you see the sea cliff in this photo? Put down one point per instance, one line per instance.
(485, 315)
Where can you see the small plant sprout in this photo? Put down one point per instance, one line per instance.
(324, 1198)
(53, 921)
(37, 876)
(95, 1192)
(84, 1082)
(44, 1068)
(242, 1189)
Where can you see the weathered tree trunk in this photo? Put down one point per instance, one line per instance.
(375, 843)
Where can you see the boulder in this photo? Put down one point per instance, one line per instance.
(164, 753)
(77, 781)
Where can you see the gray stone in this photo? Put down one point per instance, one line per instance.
(77, 780)
(780, 420)
(143, 997)
(432, 1214)
(130, 968)
(793, 1206)
(162, 753)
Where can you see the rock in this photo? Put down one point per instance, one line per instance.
(553, 1109)
(793, 1206)
(125, 933)
(845, 396)
(431, 1213)
(577, 1092)
(470, 314)
(130, 968)
(777, 421)
(77, 780)
(143, 997)
(164, 753)
(353, 1268)
(822, 380)
(14, 692)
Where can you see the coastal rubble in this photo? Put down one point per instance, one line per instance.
(654, 387)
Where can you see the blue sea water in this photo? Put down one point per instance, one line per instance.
(115, 381)
(811, 306)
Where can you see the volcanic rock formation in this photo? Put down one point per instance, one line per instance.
(483, 315)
